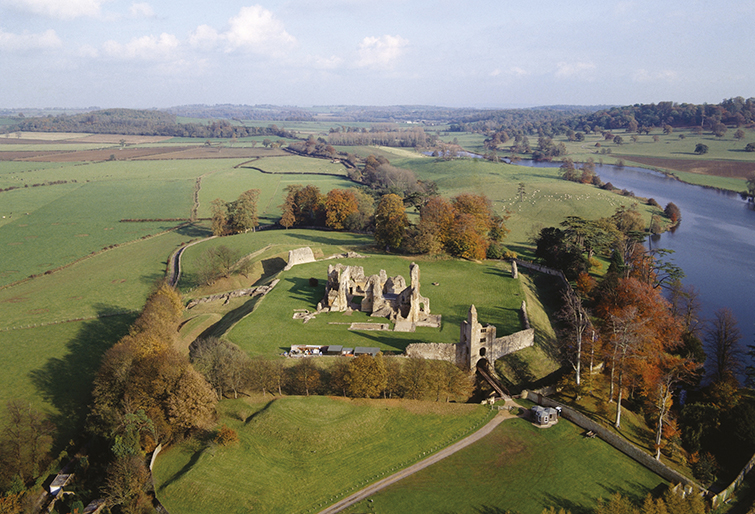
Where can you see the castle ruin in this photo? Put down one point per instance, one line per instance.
(379, 295)
(476, 343)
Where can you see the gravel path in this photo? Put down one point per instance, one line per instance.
(377, 486)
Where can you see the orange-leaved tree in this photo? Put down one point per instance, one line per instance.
(339, 205)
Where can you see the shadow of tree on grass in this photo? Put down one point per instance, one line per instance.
(66, 382)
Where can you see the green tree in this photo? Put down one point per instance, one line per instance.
(701, 149)
(243, 212)
(750, 147)
(618, 140)
(739, 134)
(390, 222)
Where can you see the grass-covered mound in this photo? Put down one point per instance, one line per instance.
(520, 468)
(299, 454)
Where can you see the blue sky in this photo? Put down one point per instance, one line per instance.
(477, 53)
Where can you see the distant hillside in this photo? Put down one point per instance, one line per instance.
(140, 122)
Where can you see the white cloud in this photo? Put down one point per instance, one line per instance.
(146, 48)
(256, 29)
(572, 69)
(519, 72)
(328, 63)
(63, 9)
(381, 52)
(204, 37)
(643, 75)
(141, 10)
(10, 42)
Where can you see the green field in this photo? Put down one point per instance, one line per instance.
(668, 146)
(52, 362)
(300, 454)
(523, 469)
(547, 201)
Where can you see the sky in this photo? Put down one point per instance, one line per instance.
(475, 53)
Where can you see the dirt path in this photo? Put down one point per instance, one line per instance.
(174, 268)
(382, 484)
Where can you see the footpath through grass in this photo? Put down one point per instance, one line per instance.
(300, 454)
(522, 469)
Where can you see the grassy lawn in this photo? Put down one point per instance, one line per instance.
(522, 469)
(300, 454)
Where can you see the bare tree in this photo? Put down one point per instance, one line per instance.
(723, 347)
(577, 321)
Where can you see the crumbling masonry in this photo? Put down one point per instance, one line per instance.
(379, 295)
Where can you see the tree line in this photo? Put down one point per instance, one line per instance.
(144, 123)
(661, 359)
(231, 372)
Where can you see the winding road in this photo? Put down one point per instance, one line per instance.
(382, 484)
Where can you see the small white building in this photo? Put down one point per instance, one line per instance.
(544, 416)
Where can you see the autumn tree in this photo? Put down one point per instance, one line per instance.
(414, 378)
(243, 212)
(390, 222)
(339, 205)
(577, 322)
(366, 376)
(144, 371)
(219, 211)
(673, 212)
(25, 442)
(308, 206)
(305, 377)
(223, 365)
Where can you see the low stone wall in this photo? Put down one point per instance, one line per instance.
(435, 351)
(614, 440)
(543, 269)
(721, 497)
(514, 342)
(252, 291)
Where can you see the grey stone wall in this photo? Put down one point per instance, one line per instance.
(299, 256)
(514, 342)
(435, 351)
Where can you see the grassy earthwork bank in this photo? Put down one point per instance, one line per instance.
(523, 469)
(300, 454)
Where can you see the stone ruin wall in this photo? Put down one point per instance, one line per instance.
(465, 353)
(434, 351)
(514, 342)
(299, 256)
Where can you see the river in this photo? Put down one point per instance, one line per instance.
(714, 243)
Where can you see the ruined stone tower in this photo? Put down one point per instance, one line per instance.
(475, 341)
